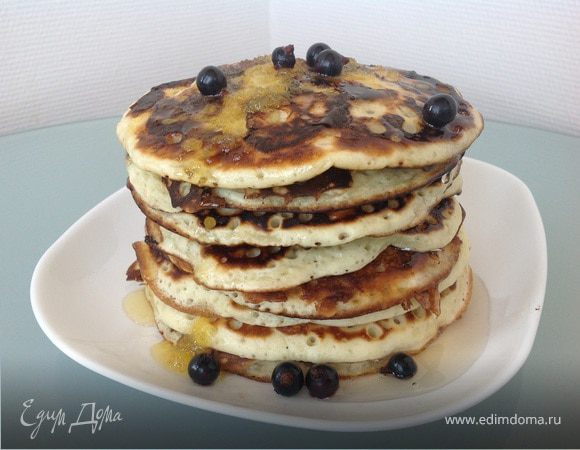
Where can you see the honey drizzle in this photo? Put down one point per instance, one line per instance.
(174, 357)
(137, 308)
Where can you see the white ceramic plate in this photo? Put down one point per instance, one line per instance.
(78, 286)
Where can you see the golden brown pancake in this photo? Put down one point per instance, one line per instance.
(318, 229)
(250, 268)
(408, 332)
(332, 190)
(277, 127)
(394, 277)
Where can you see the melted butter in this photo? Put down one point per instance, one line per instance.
(138, 308)
(176, 357)
(261, 87)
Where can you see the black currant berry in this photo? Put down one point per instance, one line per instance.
(203, 369)
(283, 57)
(314, 51)
(439, 110)
(322, 381)
(287, 379)
(329, 62)
(401, 366)
(210, 80)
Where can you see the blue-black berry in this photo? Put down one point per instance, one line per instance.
(329, 62)
(203, 369)
(439, 110)
(211, 80)
(401, 366)
(287, 379)
(321, 381)
(283, 57)
(314, 51)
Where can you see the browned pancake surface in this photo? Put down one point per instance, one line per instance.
(393, 278)
(296, 123)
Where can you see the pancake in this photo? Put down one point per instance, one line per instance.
(408, 332)
(182, 320)
(277, 127)
(295, 216)
(261, 370)
(318, 229)
(396, 292)
(258, 268)
(334, 189)
(395, 277)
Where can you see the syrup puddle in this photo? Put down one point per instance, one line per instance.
(445, 360)
(138, 309)
(173, 357)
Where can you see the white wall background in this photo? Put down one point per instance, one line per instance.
(63, 61)
(518, 61)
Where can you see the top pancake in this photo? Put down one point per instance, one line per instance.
(277, 127)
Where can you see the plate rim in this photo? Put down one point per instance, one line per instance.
(279, 418)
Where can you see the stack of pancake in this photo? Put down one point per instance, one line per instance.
(300, 217)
